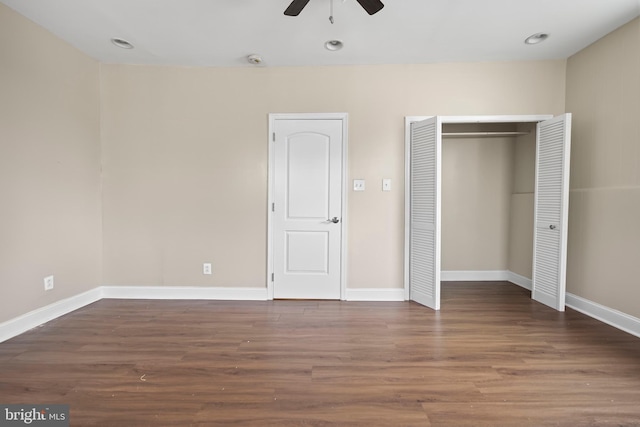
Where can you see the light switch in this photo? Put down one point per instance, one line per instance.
(358, 185)
(386, 184)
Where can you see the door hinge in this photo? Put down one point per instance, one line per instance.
(272, 276)
(273, 137)
(273, 207)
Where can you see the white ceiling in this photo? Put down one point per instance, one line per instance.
(224, 32)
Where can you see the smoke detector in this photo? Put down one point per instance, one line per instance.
(254, 59)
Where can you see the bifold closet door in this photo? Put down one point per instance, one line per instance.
(551, 211)
(424, 232)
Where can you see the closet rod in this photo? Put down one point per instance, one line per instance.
(485, 134)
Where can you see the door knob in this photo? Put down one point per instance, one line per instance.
(334, 220)
(552, 227)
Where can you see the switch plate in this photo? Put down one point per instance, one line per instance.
(358, 185)
(206, 268)
(48, 283)
(386, 184)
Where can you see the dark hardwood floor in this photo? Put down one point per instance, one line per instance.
(490, 357)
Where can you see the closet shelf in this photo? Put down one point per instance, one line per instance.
(481, 134)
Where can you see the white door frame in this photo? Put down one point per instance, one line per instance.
(271, 191)
(407, 165)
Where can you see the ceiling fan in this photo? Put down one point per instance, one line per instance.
(371, 6)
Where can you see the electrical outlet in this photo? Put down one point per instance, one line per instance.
(48, 283)
(206, 268)
(358, 185)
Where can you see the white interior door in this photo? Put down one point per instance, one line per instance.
(424, 233)
(306, 218)
(551, 211)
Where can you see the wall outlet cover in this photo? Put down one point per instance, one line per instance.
(48, 283)
(206, 268)
(358, 185)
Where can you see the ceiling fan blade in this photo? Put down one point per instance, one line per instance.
(371, 6)
(296, 7)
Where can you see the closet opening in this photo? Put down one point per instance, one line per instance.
(486, 199)
(488, 173)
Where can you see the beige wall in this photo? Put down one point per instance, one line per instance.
(50, 218)
(522, 203)
(603, 93)
(185, 158)
(476, 190)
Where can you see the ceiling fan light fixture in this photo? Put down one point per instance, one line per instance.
(334, 45)
(536, 38)
(121, 43)
(371, 6)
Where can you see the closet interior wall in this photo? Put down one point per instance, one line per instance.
(488, 173)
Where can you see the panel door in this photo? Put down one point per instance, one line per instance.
(551, 211)
(307, 226)
(424, 233)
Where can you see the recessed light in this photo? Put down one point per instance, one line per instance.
(536, 38)
(334, 45)
(121, 43)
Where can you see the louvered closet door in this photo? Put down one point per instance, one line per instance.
(424, 259)
(551, 211)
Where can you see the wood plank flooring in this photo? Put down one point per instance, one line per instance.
(490, 357)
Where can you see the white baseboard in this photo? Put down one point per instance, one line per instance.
(184, 292)
(604, 314)
(375, 294)
(474, 276)
(519, 280)
(485, 276)
(20, 324)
